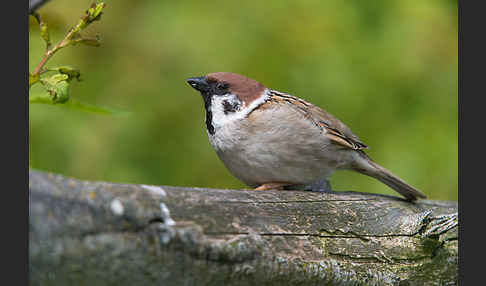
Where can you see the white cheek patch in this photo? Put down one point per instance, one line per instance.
(222, 117)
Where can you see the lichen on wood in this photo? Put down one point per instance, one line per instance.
(99, 233)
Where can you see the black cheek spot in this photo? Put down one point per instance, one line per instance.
(228, 107)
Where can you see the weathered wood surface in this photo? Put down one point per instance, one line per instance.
(97, 233)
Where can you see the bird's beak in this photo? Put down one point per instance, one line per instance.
(198, 83)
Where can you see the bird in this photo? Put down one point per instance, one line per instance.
(272, 140)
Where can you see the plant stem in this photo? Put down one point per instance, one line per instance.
(48, 54)
(37, 70)
(92, 14)
(66, 41)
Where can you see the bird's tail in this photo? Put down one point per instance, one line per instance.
(366, 166)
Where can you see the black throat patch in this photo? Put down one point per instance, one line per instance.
(209, 114)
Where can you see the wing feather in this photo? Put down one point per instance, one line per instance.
(336, 131)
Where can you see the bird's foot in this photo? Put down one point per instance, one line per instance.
(271, 186)
(323, 186)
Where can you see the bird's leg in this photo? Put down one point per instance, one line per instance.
(271, 186)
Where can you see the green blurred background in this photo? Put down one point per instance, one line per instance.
(387, 69)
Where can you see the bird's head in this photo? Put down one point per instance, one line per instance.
(246, 90)
(228, 97)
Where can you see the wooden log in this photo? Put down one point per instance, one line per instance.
(98, 233)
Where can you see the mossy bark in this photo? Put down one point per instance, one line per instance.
(97, 233)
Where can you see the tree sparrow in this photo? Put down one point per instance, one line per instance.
(272, 140)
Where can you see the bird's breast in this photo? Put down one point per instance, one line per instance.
(273, 145)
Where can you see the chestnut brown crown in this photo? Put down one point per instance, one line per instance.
(219, 83)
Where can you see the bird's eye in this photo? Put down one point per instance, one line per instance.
(221, 86)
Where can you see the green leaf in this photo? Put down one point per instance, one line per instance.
(95, 108)
(94, 12)
(61, 90)
(54, 79)
(97, 9)
(94, 42)
(67, 70)
(58, 87)
(45, 98)
(42, 98)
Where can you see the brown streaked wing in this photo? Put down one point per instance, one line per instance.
(337, 131)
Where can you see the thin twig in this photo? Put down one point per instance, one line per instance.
(36, 4)
(73, 33)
